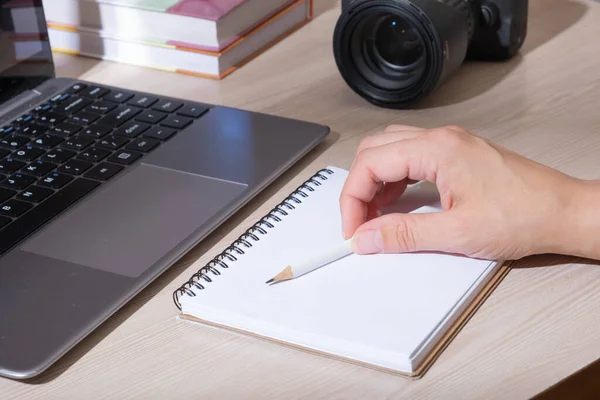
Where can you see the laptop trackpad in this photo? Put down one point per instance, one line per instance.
(141, 218)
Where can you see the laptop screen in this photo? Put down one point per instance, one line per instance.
(25, 55)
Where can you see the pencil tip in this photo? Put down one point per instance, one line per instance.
(269, 281)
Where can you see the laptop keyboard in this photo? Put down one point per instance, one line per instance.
(54, 155)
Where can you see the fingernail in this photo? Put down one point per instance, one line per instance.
(367, 242)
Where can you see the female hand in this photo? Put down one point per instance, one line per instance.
(496, 203)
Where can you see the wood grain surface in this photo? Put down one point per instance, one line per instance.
(542, 323)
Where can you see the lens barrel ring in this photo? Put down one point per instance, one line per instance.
(376, 88)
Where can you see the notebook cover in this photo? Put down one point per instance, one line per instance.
(298, 3)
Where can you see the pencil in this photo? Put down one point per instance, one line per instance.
(312, 263)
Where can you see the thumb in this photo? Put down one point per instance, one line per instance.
(403, 233)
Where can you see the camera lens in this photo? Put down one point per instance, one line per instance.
(393, 52)
(397, 41)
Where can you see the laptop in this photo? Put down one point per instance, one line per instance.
(103, 188)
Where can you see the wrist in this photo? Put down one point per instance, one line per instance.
(578, 226)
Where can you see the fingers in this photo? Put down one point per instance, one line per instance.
(391, 134)
(405, 233)
(392, 162)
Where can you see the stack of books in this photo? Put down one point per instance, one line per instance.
(209, 38)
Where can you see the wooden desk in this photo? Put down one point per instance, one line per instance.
(540, 326)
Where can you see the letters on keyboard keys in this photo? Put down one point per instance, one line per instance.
(104, 171)
(58, 155)
(96, 131)
(111, 143)
(101, 107)
(177, 122)
(55, 180)
(160, 133)
(39, 168)
(131, 129)
(93, 154)
(17, 181)
(34, 194)
(66, 129)
(120, 115)
(75, 104)
(142, 101)
(192, 111)
(143, 144)
(74, 167)
(32, 130)
(47, 141)
(27, 153)
(13, 141)
(14, 208)
(77, 143)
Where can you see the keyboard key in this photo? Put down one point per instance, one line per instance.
(101, 107)
(175, 121)
(94, 92)
(14, 233)
(124, 157)
(104, 171)
(55, 98)
(84, 118)
(151, 116)
(55, 180)
(192, 111)
(77, 143)
(76, 88)
(6, 194)
(10, 165)
(118, 97)
(167, 106)
(34, 194)
(41, 108)
(131, 129)
(120, 115)
(7, 129)
(39, 168)
(13, 141)
(141, 100)
(4, 153)
(33, 130)
(143, 144)
(96, 131)
(14, 208)
(66, 129)
(4, 221)
(58, 156)
(93, 154)
(47, 141)
(23, 119)
(75, 104)
(74, 167)
(160, 133)
(50, 118)
(27, 153)
(111, 143)
(17, 181)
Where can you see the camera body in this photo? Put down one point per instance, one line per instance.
(395, 52)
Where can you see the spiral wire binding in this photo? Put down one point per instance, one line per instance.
(201, 277)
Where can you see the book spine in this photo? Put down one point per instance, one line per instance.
(203, 276)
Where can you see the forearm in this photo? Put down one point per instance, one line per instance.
(580, 225)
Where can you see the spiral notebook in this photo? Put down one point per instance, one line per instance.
(391, 312)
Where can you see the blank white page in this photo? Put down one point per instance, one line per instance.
(377, 309)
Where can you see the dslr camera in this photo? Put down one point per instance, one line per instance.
(395, 52)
